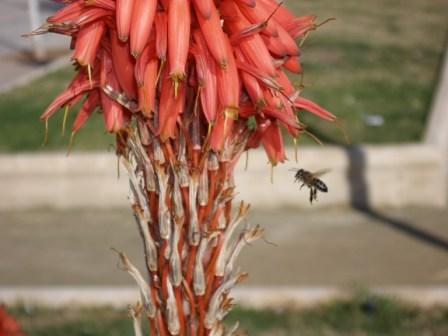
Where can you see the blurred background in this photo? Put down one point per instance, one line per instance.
(370, 257)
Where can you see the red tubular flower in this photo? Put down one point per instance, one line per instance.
(251, 84)
(87, 43)
(106, 4)
(272, 141)
(228, 82)
(206, 69)
(147, 93)
(253, 47)
(79, 85)
(303, 103)
(86, 110)
(179, 25)
(123, 64)
(161, 25)
(204, 7)
(142, 20)
(282, 15)
(113, 111)
(259, 14)
(69, 13)
(299, 26)
(171, 106)
(221, 130)
(292, 64)
(124, 17)
(214, 36)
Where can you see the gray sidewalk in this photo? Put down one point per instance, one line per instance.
(16, 60)
(342, 247)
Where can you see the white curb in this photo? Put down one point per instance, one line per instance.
(248, 297)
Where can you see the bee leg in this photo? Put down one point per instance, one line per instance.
(311, 195)
(303, 184)
(315, 194)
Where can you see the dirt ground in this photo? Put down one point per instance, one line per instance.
(313, 248)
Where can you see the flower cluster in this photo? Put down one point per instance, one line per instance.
(8, 325)
(187, 86)
(164, 62)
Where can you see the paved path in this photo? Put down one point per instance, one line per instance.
(16, 60)
(314, 248)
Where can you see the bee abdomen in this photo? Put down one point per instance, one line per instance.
(320, 185)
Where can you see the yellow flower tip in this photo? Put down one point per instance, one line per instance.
(176, 78)
(70, 143)
(64, 121)
(45, 142)
(296, 150)
(123, 38)
(229, 113)
(135, 54)
(223, 64)
(209, 131)
(89, 73)
(159, 73)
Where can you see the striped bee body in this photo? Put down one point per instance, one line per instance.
(311, 181)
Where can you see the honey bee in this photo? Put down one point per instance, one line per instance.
(312, 181)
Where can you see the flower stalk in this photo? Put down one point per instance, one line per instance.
(187, 86)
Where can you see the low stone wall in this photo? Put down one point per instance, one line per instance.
(392, 176)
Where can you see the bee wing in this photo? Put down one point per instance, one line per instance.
(321, 172)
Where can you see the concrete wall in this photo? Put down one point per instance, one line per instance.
(393, 176)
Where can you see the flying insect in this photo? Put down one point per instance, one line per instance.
(312, 181)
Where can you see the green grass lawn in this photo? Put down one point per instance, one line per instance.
(378, 58)
(21, 129)
(363, 315)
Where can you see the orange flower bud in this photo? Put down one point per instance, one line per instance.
(288, 42)
(141, 62)
(90, 14)
(272, 141)
(170, 107)
(161, 24)
(147, 93)
(124, 16)
(86, 110)
(142, 21)
(123, 64)
(204, 7)
(301, 25)
(214, 36)
(179, 22)
(206, 72)
(221, 130)
(106, 4)
(275, 46)
(293, 64)
(79, 85)
(87, 43)
(303, 103)
(281, 14)
(259, 14)
(253, 47)
(228, 81)
(251, 84)
(71, 12)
